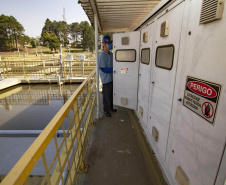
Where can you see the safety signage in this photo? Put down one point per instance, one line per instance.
(202, 97)
(124, 70)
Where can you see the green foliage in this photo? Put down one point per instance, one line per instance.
(60, 28)
(75, 31)
(88, 36)
(34, 42)
(47, 27)
(24, 39)
(46, 44)
(50, 40)
(10, 32)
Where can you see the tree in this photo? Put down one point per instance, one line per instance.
(61, 30)
(47, 26)
(10, 31)
(24, 40)
(75, 31)
(88, 35)
(17, 29)
(4, 33)
(50, 40)
(34, 42)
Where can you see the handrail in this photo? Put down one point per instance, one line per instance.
(22, 169)
(45, 69)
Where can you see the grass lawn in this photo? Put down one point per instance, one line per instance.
(31, 52)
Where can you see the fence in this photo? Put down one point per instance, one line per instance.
(46, 69)
(66, 162)
(27, 95)
(42, 57)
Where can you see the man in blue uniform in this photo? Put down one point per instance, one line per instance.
(106, 75)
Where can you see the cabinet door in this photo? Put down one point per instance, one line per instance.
(125, 67)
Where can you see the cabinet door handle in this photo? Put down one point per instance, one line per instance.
(180, 100)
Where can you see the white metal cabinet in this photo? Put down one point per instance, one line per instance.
(195, 144)
(144, 74)
(125, 76)
(163, 80)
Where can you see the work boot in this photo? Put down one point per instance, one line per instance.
(113, 110)
(108, 114)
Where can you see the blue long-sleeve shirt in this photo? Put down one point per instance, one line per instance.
(106, 66)
(107, 69)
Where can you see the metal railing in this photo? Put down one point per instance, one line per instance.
(27, 95)
(45, 69)
(16, 57)
(65, 161)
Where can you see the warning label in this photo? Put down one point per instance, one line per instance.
(124, 70)
(202, 97)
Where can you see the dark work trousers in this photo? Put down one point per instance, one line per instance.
(108, 96)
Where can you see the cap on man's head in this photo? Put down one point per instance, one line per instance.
(106, 39)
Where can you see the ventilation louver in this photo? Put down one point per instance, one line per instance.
(145, 37)
(123, 101)
(212, 10)
(125, 40)
(164, 29)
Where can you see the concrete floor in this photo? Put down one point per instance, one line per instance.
(114, 156)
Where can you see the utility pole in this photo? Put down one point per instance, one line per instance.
(64, 15)
(36, 49)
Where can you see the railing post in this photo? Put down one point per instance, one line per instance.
(64, 73)
(70, 64)
(82, 68)
(91, 100)
(24, 69)
(44, 66)
(97, 65)
(61, 61)
(0, 68)
(4, 70)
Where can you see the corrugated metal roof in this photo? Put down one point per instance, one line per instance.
(117, 15)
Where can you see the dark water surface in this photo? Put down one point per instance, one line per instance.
(31, 107)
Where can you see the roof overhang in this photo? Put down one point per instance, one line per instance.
(120, 15)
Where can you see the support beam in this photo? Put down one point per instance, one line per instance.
(97, 64)
(95, 11)
(101, 47)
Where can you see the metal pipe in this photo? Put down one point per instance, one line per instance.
(97, 65)
(58, 79)
(25, 132)
(101, 47)
(61, 60)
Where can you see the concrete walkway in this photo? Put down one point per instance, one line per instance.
(114, 156)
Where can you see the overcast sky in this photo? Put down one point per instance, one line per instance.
(33, 13)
